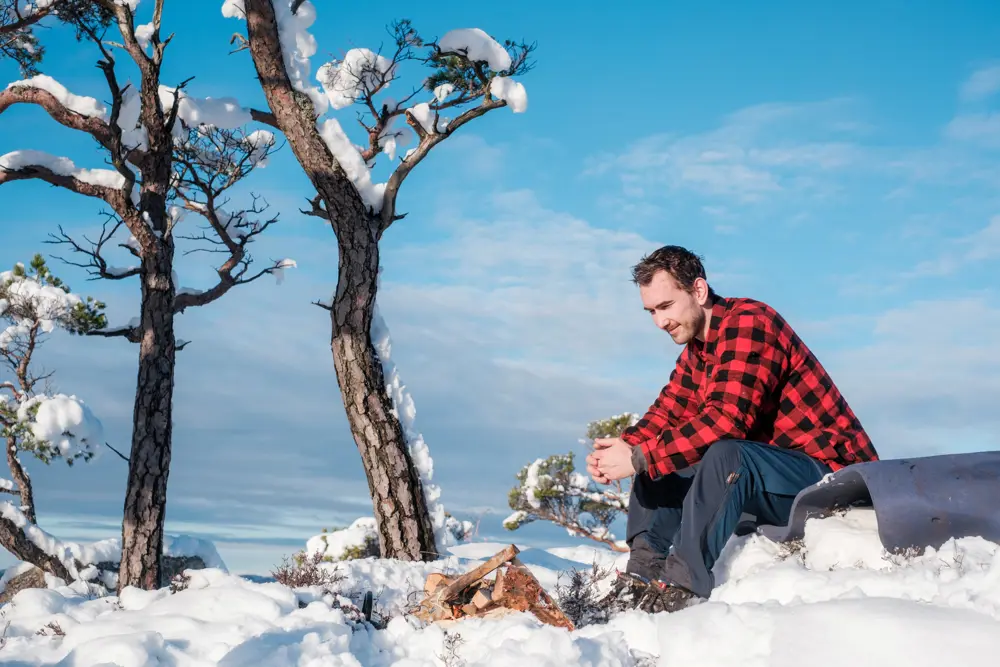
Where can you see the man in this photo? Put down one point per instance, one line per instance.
(749, 403)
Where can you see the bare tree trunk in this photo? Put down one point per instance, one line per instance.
(400, 509)
(404, 526)
(21, 479)
(149, 462)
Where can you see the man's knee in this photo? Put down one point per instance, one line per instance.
(723, 455)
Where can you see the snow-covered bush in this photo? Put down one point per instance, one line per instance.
(551, 489)
(34, 418)
(360, 540)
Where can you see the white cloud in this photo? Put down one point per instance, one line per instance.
(474, 155)
(716, 211)
(540, 282)
(983, 83)
(982, 245)
(756, 154)
(982, 129)
(929, 379)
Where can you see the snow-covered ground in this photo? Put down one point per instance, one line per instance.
(839, 600)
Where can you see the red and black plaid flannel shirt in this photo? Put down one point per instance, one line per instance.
(752, 379)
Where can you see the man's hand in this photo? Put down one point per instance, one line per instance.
(610, 460)
(593, 470)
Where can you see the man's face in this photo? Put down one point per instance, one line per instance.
(675, 311)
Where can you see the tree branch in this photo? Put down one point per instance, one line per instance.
(265, 117)
(208, 164)
(226, 282)
(114, 197)
(21, 22)
(95, 127)
(13, 389)
(130, 333)
(125, 458)
(427, 142)
(96, 264)
(126, 26)
(14, 539)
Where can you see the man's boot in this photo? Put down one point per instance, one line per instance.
(664, 596)
(644, 565)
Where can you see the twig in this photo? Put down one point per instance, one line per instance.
(124, 458)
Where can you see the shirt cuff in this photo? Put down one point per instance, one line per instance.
(639, 459)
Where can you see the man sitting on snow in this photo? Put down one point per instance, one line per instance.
(749, 403)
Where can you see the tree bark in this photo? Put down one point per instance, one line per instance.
(14, 540)
(405, 530)
(149, 462)
(21, 479)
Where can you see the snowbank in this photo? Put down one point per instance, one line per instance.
(83, 559)
(837, 601)
(338, 544)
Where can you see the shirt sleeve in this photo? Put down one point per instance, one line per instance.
(674, 402)
(749, 368)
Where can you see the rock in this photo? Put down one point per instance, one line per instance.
(33, 578)
(171, 566)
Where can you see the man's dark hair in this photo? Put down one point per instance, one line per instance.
(681, 263)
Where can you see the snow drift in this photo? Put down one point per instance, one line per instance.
(835, 599)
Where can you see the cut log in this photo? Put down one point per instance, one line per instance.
(498, 586)
(482, 598)
(513, 589)
(523, 592)
(472, 576)
(435, 580)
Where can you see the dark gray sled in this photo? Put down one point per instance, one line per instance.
(919, 502)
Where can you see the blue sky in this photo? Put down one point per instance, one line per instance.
(837, 160)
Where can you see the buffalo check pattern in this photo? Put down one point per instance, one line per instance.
(751, 379)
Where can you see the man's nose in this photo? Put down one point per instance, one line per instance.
(662, 321)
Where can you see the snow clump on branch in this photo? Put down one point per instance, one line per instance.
(477, 46)
(360, 70)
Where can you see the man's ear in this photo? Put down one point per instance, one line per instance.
(701, 291)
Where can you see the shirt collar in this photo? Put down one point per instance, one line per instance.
(707, 347)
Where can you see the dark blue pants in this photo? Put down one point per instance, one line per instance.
(678, 525)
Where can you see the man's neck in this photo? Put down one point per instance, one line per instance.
(707, 326)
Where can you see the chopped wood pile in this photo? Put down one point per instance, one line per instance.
(476, 593)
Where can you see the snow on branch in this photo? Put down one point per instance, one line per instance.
(75, 112)
(552, 490)
(35, 299)
(44, 423)
(470, 74)
(59, 426)
(100, 183)
(467, 66)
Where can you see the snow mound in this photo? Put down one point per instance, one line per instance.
(82, 559)
(836, 599)
(338, 544)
